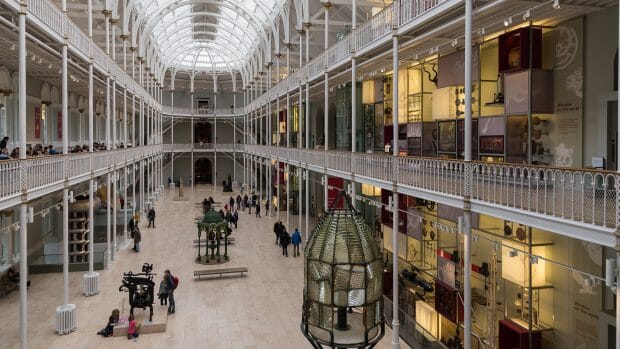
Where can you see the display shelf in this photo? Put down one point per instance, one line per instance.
(78, 235)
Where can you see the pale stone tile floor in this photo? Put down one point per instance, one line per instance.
(262, 310)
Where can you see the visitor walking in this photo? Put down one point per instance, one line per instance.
(245, 202)
(276, 230)
(285, 240)
(231, 201)
(172, 283)
(258, 211)
(296, 240)
(235, 218)
(238, 202)
(151, 217)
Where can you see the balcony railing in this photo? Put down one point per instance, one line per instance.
(397, 14)
(187, 147)
(167, 110)
(586, 196)
(46, 171)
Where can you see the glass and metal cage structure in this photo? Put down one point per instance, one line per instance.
(343, 285)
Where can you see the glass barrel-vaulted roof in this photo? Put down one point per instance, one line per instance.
(206, 35)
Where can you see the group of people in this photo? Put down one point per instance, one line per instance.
(167, 287)
(40, 150)
(283, 239)
(230, 215)
(249, 202)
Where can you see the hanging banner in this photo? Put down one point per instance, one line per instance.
(335, 185)
(37, 122)
(59, 125)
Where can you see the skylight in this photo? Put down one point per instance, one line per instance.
(206, 35)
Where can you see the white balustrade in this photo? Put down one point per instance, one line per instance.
(9, 178)
(587, 196)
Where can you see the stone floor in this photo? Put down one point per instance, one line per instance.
(262, 310)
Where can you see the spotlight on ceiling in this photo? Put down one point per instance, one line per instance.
(507, 21)
(527, 15)
(556, 4)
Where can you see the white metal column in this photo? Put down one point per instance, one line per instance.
(307, 126)
(326, 5)
(395, 284)
(23, 222)
(467, 206)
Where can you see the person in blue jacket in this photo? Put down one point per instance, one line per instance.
(296, 240)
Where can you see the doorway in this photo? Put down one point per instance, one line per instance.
(202, 132)
(203, 171)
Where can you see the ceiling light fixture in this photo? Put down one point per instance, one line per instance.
(527, 15)
(507, 21)
(455, 42)
(40, 61)
(34, 58)
(556, 4)
(13, 47)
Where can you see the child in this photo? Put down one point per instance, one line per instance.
(163, 291)
(113, 320)
(132, 331)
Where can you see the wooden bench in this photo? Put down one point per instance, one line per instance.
(221, 271)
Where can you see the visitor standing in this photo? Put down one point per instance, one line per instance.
(172, 283)
(296, 240)
(285, 240)
(238, 202)
(258, 211)
(231, 201)
(137, 237)
(151, 217)
(131, 224)
(163, 291)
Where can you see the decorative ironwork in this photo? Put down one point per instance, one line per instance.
(141, 289)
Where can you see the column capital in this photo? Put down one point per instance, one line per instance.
(106, 13)
(326, 4)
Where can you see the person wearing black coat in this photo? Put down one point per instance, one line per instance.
(285, 240)
(276, 230)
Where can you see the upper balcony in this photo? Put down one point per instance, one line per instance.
(34, 177)
(47, 18)
(201, 112)
(574, 202)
